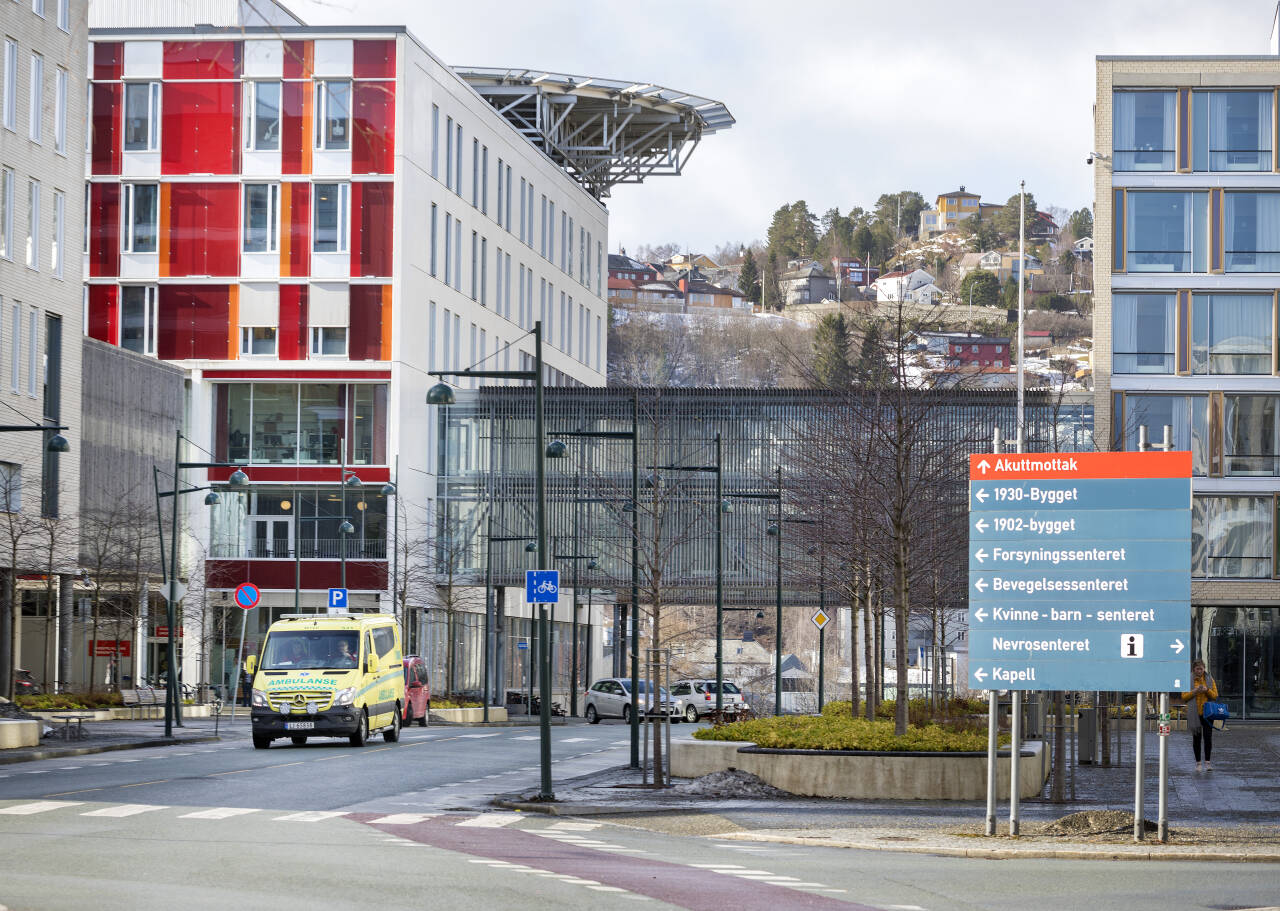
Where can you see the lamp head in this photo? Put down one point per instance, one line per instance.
(726, 506)
(353, 480)
(441, 394)
(346, 528)
(238, 479)
(593, 564)
(531, 548)
(772, 530)
(388, 490)
(557, 450)
(652, 481)
(57, 443)
(759, 615)
(628, 506)
(212, 498)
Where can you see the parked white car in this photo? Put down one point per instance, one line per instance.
(695, 698)
(611, 698)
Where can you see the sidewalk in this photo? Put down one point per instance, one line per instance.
(1228, 814)
(106, 736)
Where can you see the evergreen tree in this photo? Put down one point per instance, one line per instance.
(1080, 223)
(831, 352)
(872, 367)
(1006, 219)
(983, 285)
(749, 278)
(771, 291)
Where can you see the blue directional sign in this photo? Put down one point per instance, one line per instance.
(541, 586)
(1080, 571)
(337, 597)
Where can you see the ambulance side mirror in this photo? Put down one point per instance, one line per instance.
(372, 664)
(251, 664)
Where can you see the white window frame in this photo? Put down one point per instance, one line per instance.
(7, 180)
(36, 116)
(33, 353)
(64, 15)
(153, 117)
(57, 249)
(323, 142)
(128, 242)
(10, 112)
(251, 114)
(150, 318)
(60, 111)
(33, 224)
(247, 341)
(15, 350)
(317, 336)
(37, 7)
(10, 487)
(344, 218)
(273, 218)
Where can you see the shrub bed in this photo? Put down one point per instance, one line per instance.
(832, 731)
(447, 702)
(60, 702)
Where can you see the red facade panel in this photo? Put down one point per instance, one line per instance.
(104, 313)
(202, 59)
(204, 229)
(291, 334)
(194, 322)
(371, 205)
(295, 135)
(200, 128)
(298, 59)
(374, 59)
(364, 330)
(108, 59)
(107, 145)
(362, 575)
(296, 227)
(373, 145)
(104, 230)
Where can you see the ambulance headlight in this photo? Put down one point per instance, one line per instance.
(259, 699)
(345, 697)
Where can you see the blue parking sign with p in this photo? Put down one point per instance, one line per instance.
(337, 597)
(541, 586)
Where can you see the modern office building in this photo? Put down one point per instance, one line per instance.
(1187, 266)
(309, 220)
(42, 100)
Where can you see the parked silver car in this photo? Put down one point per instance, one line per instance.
(695, 698)
(611, 698)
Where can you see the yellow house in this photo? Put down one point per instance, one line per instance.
(949, 210)
(680, 262)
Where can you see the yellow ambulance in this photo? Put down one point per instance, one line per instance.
(327, 675)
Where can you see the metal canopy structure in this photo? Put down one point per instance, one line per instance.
(603, 132)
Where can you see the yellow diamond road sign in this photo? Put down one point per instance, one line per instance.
(820, 619)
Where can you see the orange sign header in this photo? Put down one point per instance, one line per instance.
(1069, 466)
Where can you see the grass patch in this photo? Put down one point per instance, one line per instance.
(842, 732)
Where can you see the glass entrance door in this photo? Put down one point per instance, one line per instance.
(272, 537)
(1260, 671)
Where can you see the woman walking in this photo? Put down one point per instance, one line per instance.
(1203, 689)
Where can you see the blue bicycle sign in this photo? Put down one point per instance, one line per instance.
(541, 586)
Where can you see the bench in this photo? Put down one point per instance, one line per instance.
(142, 698)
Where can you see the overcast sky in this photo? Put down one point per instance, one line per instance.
(836, 101)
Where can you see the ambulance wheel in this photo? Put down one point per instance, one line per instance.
(362, 731)
(261, 741)
(392, 734)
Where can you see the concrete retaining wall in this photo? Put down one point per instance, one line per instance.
(864, 776)
(447, 716)
(16, 732)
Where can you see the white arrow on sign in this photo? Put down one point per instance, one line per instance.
(173, 590)
(981, 555)
(1177, 646)
(982, 526)
(981, 495)
(983, 466)
(980, 674)
(980, 615)
(980, 585)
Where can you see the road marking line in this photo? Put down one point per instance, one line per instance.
(40, 806)
(527, 737)
(39, 772)
(574, 826)
(138, 784)
(125, 809)
(477, 736)
(310, 816)
(471, 780)
(606, 888)
(718, 866)
(403, 819)
(67, 768)
(621, 743)
(218, 813)
(487, 777)
(492, 820)
(576, 740)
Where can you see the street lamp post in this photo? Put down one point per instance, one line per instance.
(172, 706)
(441, 394)
(346, 529)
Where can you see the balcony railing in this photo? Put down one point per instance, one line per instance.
(316, 549)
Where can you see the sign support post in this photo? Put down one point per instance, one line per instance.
(247, 597)
(993, 718)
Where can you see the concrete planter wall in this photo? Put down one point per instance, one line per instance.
(455, 716)
(16, 732)
(864, 776)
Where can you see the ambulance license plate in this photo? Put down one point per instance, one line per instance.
(299, 725)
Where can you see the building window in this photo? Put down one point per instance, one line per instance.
(10, 112)
(1142, 131)
(1231, 537)
(262, 116)
(60, 112)
(10, 487)
(1252, 232)
(138, 318)
(475, 173)
(37, 98)
(435, 141)
(6, 213)
(56, 249)
(261, 218)
(484, 180)
(523, 203)
(1231, 334)
(1167, 232)
(64, 15)
(484, 272)
(448, 152)
(33, 224)
(1250, 436)
(1187, 415)
(333, 115)
(258, 340)
(141, 116)
(457, 177)
(457, 253)
(37, 7)
(332, 204)
(435, 214)
(1231, 131)
(448, 249)
(329, 341)
(1144, 329)
(475, 265)
(33, 352)
(141, 217)
(500, 221)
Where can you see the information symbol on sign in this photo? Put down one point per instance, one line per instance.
(820, 619)
(337, 597)
(1131, 645)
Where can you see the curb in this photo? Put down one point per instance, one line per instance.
(1104, 852)
(59, 752)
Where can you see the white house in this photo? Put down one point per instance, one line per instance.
(915, 286)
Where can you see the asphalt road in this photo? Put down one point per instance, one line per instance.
(407, 825)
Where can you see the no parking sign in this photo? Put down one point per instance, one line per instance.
(247, 595)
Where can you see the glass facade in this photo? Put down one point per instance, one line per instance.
(1143, 131)
(1241, 647)
(1167, 232)
(301, 423)
(273, 523)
